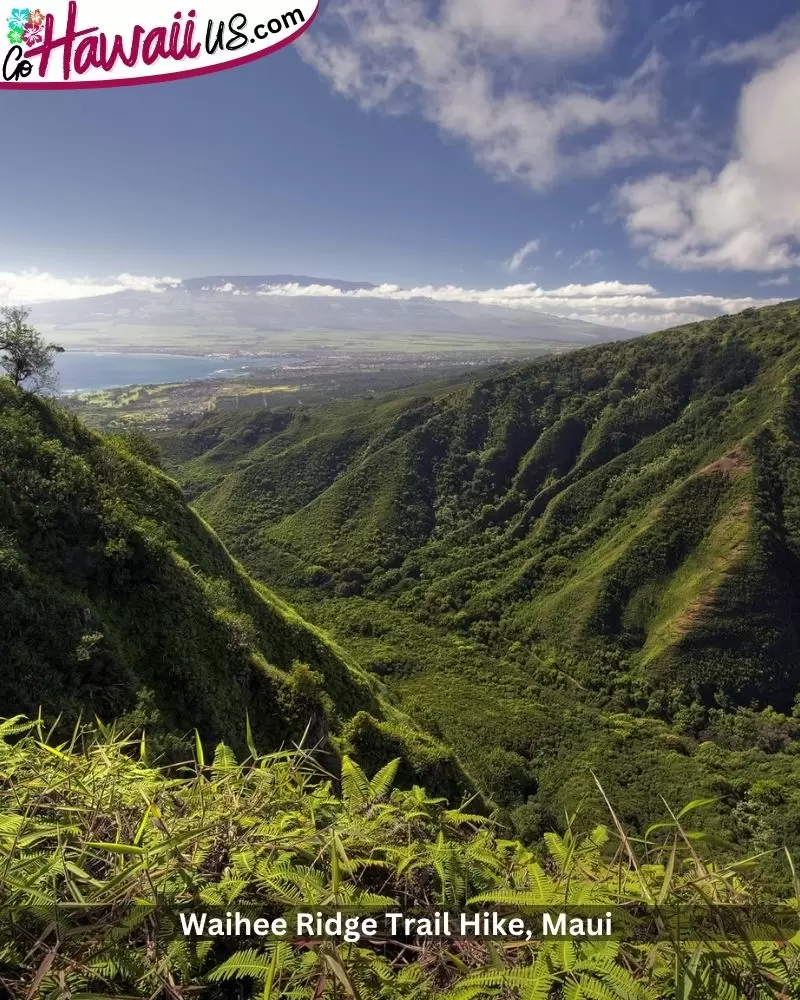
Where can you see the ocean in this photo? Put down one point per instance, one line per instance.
(83, 370)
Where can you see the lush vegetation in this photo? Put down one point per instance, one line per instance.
(589, 562)
(100, 851)
(116, 600)
(576, 579)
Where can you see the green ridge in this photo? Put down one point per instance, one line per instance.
(117, 600)
(527, 559)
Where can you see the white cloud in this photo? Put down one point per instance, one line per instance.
(137, 283)
(568, 27)
(492, 74)
(780, 282)
(763, 50)
(612, 303)
(29, 287)
(747, 217)
(498, 76)
(517, 259)
(639, 307)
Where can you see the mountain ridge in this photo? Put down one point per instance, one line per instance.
(543, 561)
(119, 601)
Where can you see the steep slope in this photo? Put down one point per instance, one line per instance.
(117, 600)
(638, 499)
(527, 558)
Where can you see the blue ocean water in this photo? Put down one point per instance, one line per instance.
(79, 370)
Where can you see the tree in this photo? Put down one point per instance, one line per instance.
(24, 355)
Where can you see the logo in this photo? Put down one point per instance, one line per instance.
(93, 43)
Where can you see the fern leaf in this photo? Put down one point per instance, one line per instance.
(382, 783)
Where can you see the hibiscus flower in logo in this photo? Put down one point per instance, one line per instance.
(35, 19)
(19, 19)
(15, 36)
(33, 34)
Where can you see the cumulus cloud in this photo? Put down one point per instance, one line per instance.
(492, 74)
(503, 77)
(612, 303)
(517, 259)
(29, 287)
(747, 216)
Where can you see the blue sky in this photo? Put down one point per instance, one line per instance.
(629, 144)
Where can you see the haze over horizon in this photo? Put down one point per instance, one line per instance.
(327, 303)
(256, 315)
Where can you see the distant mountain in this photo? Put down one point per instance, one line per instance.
(256, 283)
(263, 312)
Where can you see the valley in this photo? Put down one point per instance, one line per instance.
(486, 637)
(584, 564)
(400, 501)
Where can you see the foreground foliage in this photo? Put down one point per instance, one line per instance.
(97, 848)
